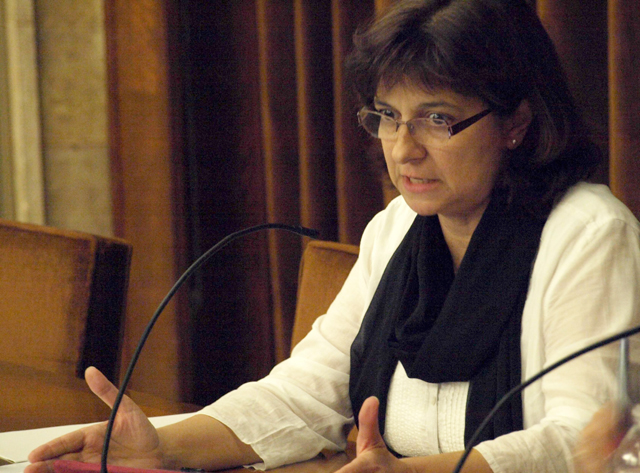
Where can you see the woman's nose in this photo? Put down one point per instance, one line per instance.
(407, 148)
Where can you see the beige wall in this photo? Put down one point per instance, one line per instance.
(21, 179)
(73, 94)
(58, 48)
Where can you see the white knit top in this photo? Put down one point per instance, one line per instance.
(424, 418)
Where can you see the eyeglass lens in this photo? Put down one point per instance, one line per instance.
(423, 129)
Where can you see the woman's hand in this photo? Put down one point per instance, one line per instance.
(134, 441)
(372, 452)
(373, 455)
(599, 440)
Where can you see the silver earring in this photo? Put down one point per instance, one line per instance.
(514, 142)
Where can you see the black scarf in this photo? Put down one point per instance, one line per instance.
(445, 328)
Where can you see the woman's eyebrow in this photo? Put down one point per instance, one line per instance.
(439, 104)
(380, 103)
(422, 105)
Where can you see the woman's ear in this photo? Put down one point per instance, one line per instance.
(517, 124)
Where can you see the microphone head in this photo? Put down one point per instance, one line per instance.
(309, 232)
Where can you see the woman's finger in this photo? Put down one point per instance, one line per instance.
(368, 432)
(68, 443)
(40, 467)
(100, 385)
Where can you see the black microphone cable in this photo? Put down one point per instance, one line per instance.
(534, 378)
(199, 262)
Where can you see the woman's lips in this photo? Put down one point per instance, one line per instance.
(418, 184)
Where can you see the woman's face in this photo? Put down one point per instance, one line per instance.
(452, 178)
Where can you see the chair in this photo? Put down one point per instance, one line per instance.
(323, 269)
(62, 303)
(63, 298)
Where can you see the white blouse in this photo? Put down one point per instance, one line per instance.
(584, 286)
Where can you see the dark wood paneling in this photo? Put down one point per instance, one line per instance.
(230, 300)
(147, 183)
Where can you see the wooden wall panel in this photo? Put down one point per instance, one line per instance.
(578, 29)
(146, 167)
(230, 298)
(359, 192)
(624, 101)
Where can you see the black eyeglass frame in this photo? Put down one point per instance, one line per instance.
(452, 129)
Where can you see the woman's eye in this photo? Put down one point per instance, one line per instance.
(386, 112)
(438, 119)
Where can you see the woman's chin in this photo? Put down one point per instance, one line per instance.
(425, 209)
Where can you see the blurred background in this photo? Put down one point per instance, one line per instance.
(172, 123)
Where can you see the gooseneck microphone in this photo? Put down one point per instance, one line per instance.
(520, 387)
(199, 262)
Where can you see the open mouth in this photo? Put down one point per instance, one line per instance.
(415, 180)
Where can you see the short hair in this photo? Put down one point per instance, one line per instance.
(498, 51)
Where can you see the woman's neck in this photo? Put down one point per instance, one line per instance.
(457, 233)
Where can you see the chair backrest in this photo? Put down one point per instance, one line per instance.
(323, 269)
(62, 298)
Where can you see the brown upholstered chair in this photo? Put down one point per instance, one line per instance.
(323, 269)
(62, 302)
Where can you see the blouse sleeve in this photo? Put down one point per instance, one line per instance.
(584, 287)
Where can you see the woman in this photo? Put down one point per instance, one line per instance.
(495, 261)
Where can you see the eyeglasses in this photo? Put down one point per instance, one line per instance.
(427, 130)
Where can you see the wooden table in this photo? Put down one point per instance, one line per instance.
(320, 464)
(32, 398)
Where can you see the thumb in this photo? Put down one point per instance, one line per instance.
(368, 431)
(100, 385)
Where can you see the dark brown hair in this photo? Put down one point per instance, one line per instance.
(498, 51)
